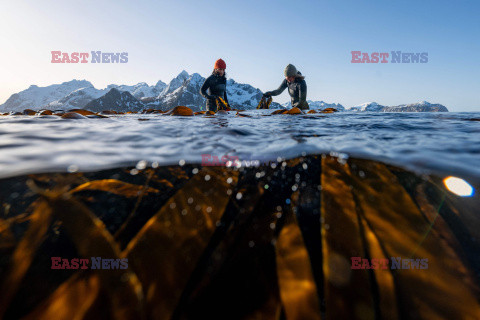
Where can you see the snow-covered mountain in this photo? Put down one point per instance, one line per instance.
(72, 94)
(76, 99)
(242, 96)
(175, 84)
(81, 97)
(422, 106)
(37, 97)
(141, 90)
(114, 99)
(318, 105)
(184, 90)
(367, 106)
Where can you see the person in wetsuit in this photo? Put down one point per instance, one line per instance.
(215, 85)
(297, 88)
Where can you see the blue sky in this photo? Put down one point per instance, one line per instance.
(257, 39)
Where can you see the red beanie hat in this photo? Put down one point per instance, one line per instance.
(220, 64)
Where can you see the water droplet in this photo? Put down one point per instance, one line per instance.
(142, 164)
(207, 177)
(239, 196)
(72, 168)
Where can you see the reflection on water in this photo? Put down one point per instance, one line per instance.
(308, 238)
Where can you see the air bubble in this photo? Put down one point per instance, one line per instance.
(72, 168)
(142, 164)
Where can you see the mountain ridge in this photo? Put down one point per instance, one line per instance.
(181, 90)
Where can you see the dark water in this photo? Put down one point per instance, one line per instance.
(283, 240)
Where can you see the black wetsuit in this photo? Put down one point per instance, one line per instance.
(214, 86)
(297, 90)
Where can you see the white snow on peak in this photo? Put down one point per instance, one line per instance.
(37, 97)
(176, 83)
(367, 106)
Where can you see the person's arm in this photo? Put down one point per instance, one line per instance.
(203, 89)
(280, 89)
(302, 93)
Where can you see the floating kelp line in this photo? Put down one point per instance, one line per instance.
(177, 111)
(299, 240)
